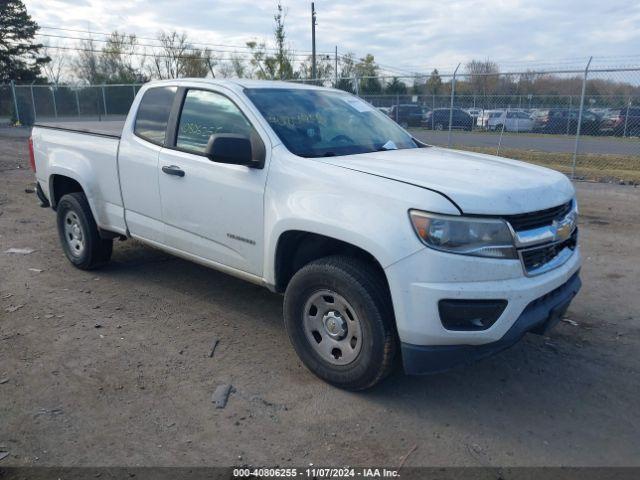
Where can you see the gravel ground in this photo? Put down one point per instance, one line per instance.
(112, 367)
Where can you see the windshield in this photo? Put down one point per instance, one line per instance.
(323, 123)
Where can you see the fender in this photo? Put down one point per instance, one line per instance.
(366, 211)
(92, 162)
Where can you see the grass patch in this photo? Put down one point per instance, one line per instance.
(590, 166)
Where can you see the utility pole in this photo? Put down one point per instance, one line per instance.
(313, 41)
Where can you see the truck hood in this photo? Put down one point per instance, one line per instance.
(476, 183)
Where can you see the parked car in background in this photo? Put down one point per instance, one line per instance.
(610, 119)
(625, 121)
(474, 112)
(483, 119)
(384, 110)
(407, 115)
(565, 121)
(438, 119)
(539, 117)
(509, 121)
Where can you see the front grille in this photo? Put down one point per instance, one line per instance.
(541, 218)
(534, 258)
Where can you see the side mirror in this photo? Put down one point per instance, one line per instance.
(233, 149)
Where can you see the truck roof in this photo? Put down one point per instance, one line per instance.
(240, 83)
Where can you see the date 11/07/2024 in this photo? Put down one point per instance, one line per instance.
(315, 472)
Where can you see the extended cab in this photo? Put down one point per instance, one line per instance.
(384, 247)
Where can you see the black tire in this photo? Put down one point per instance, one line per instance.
(439, 126)
(366, 291)
(95, 251)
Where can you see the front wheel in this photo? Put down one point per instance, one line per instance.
(339, 318)
(79, 234)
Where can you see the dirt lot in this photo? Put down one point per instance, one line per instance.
(112, 367)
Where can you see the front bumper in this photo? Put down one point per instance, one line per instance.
(538, 317)
(421, 280)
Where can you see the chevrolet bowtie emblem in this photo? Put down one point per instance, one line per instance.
(564, 228)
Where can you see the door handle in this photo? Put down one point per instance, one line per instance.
(173, 170)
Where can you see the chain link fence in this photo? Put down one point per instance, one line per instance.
(584, 122)
(28, 104)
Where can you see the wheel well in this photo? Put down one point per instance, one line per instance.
(297, 248)
(59, 185)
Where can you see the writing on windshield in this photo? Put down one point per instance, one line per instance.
(316, 123)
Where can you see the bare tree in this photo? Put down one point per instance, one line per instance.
(283, 60)
(198, 63)
(168, 61)
(324, 69)
(54, 70)
(264, 66)
(434, 83)
(483, 76)
(114, 63)
(235, 66)
(280, 64)
(87, 64)
(117, 60)
(177, 57)
(347, 72)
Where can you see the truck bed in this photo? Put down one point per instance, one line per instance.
(109, 128)
(86, 152)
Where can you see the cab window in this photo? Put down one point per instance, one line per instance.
(153, 114)
(206, 113)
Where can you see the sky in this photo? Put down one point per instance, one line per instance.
(404, 36)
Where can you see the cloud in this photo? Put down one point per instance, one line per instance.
(412, 35)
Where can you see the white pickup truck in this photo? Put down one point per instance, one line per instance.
(384, 247)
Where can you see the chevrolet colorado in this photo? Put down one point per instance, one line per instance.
(384, 247)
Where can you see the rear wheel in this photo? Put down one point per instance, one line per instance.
(339, 318)
(79, 235)
(439, 126)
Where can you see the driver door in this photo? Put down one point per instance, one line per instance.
(210, 210)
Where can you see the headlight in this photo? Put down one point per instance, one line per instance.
(464, 235)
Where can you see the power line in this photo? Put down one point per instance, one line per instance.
(301, 54)
(190, 48)
(92, 32)
(140, 54)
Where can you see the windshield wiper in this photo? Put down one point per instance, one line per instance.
(318, 155)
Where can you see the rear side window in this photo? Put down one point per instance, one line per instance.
(153, 114)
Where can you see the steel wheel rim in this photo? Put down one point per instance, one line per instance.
(332, 327)
(73, 234)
